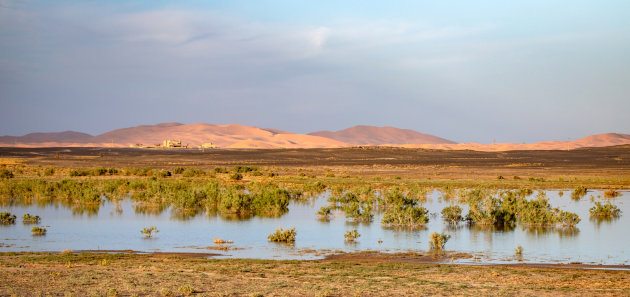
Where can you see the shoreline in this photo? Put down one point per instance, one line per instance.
(361, 256)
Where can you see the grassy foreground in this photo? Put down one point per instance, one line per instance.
(92, 274)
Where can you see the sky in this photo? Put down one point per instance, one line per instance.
(469, 71)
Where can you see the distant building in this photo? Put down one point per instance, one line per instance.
(171, 143)
(207, 145)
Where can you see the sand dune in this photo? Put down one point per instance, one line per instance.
(370, 135)
(239, 136)
(599, 140)
(44, 137)
(193, 135)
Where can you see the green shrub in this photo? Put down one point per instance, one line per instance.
(220, 170)
(30, 219)
(38, 231)
(281, 235)
(236, 176)
(149, 231)
(579, 192)
(452, 214)
(351, 235)
(316, 187)
(324, 212)
(178, 170)
(244, 169)
(7, 218)
(5, 174)
(402, 211)
(358, 212)
(192, 172)
(49, 171)
(163, 173)
(607, 210)
(567, 219)
(186, 290)
(438, 240)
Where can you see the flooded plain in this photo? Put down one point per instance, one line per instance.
(116, 226)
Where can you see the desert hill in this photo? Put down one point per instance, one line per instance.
(44, 137)
(232, 136)
(239, 136)
(370, 135)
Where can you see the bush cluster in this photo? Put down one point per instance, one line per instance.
(280, 235)
(403, 211)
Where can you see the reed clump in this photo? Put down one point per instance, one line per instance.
(38, 231)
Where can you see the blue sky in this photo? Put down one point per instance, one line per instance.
(470, 71)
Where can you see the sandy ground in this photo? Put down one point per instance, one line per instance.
(89, 274)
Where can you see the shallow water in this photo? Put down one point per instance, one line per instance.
(117, 227)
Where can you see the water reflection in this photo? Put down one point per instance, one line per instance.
(546, 230)
(115, 224)
(85, 209)
(149, 209)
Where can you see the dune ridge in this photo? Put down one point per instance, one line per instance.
(371, 135)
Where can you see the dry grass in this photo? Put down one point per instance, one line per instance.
(171, 275)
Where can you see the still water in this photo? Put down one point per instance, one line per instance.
(117, 227)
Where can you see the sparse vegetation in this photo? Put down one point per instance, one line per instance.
(280, 235)
(351, 235)
(149, 231)
(518, 250)
(437, 241)
(236, 176)
(7, 218)
(30, 219)
(153, 274)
